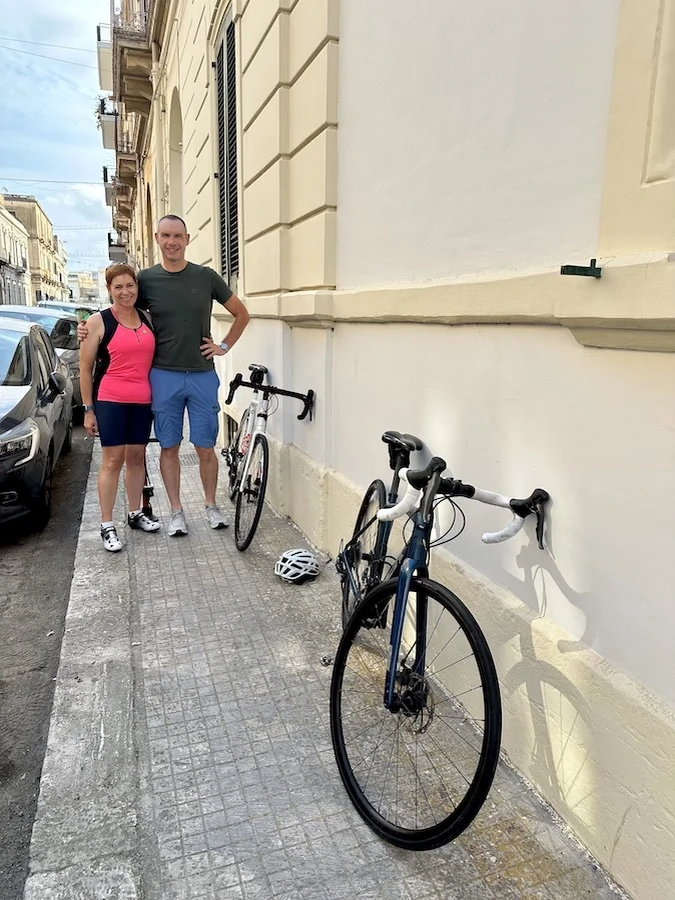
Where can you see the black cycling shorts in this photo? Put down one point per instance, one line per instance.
(123, 423)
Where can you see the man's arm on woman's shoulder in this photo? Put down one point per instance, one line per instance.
(142, 302)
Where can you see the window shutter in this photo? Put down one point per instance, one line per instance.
(226, 73)
(222, 186)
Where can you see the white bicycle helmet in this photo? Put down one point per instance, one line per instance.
(297, 566)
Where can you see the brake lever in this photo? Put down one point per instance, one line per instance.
(234, 384)
(535, 503)
(539, 500)
(308, 407)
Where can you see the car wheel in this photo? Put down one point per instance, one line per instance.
(42, 506)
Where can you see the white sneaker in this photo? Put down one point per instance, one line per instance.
(215, 518)
(142, 522)
(177, 524)
(111, 541)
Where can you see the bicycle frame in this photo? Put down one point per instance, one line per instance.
(411, 560)
(257, 415)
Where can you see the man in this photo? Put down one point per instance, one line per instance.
(179, 296)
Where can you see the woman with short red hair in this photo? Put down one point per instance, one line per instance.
(115, 361)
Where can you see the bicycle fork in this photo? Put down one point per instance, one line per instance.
(416, 561)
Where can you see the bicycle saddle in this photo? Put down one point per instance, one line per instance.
(404, 441)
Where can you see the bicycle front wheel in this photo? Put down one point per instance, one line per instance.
(364, 556)
(417, 774)
(251, 494)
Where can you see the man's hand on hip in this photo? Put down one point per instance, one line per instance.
(210, 349)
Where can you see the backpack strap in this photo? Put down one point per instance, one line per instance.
(110, 324)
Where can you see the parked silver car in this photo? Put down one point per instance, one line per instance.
(75, 308)
(62, 330)
(35, 419)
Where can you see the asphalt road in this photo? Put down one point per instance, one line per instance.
(36, 569)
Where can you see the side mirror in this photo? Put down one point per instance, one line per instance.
(58, 382)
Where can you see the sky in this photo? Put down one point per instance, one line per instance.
(48, 131)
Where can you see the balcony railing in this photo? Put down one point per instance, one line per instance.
(125, 146)
(131, 23)
(117, 248)
(107, 117)
(116, 240)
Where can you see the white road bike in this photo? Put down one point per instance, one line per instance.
(247, 455)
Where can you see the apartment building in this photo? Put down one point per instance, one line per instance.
(456, 221)
(48, 259)
(15, 284)
(84, 286)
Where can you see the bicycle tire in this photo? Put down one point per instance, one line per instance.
(257, 484)
(356, 661)
(235, 456)
(374, 498)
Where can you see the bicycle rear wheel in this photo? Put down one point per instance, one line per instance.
(418, 775)
(364, 557)
(235, 454)
(251, 494)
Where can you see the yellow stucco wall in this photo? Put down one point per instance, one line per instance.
(590, 739)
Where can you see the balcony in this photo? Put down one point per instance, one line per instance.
(126, 149)
(104, 54)
(107, 117)
(122, 202)
(108, 184)
(22, 265)
(117, 248)
(132, 58)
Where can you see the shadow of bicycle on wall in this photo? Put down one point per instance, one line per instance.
(550, 712)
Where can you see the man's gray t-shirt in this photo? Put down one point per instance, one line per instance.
(180, 305)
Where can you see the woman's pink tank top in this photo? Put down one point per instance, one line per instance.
(127, 376)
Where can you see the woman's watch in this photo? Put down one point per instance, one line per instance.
(224, 346)
(89, 409)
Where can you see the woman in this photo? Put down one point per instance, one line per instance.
(115, 361)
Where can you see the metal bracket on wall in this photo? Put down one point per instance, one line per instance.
(592, 271)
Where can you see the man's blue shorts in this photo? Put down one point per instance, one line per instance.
(173, 393)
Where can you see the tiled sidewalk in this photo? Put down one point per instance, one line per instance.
(238, 793)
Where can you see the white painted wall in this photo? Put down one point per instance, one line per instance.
(471, 136)
(263, 343)
(514, 408)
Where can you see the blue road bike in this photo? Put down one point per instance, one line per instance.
(415, 708)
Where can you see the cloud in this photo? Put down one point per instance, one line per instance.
(48, 124)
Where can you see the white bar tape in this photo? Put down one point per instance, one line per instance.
(491, 498)
(409, 502)
(497, 536)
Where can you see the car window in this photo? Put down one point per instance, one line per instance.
(15, 368)
(63, 334)
(46, 363)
